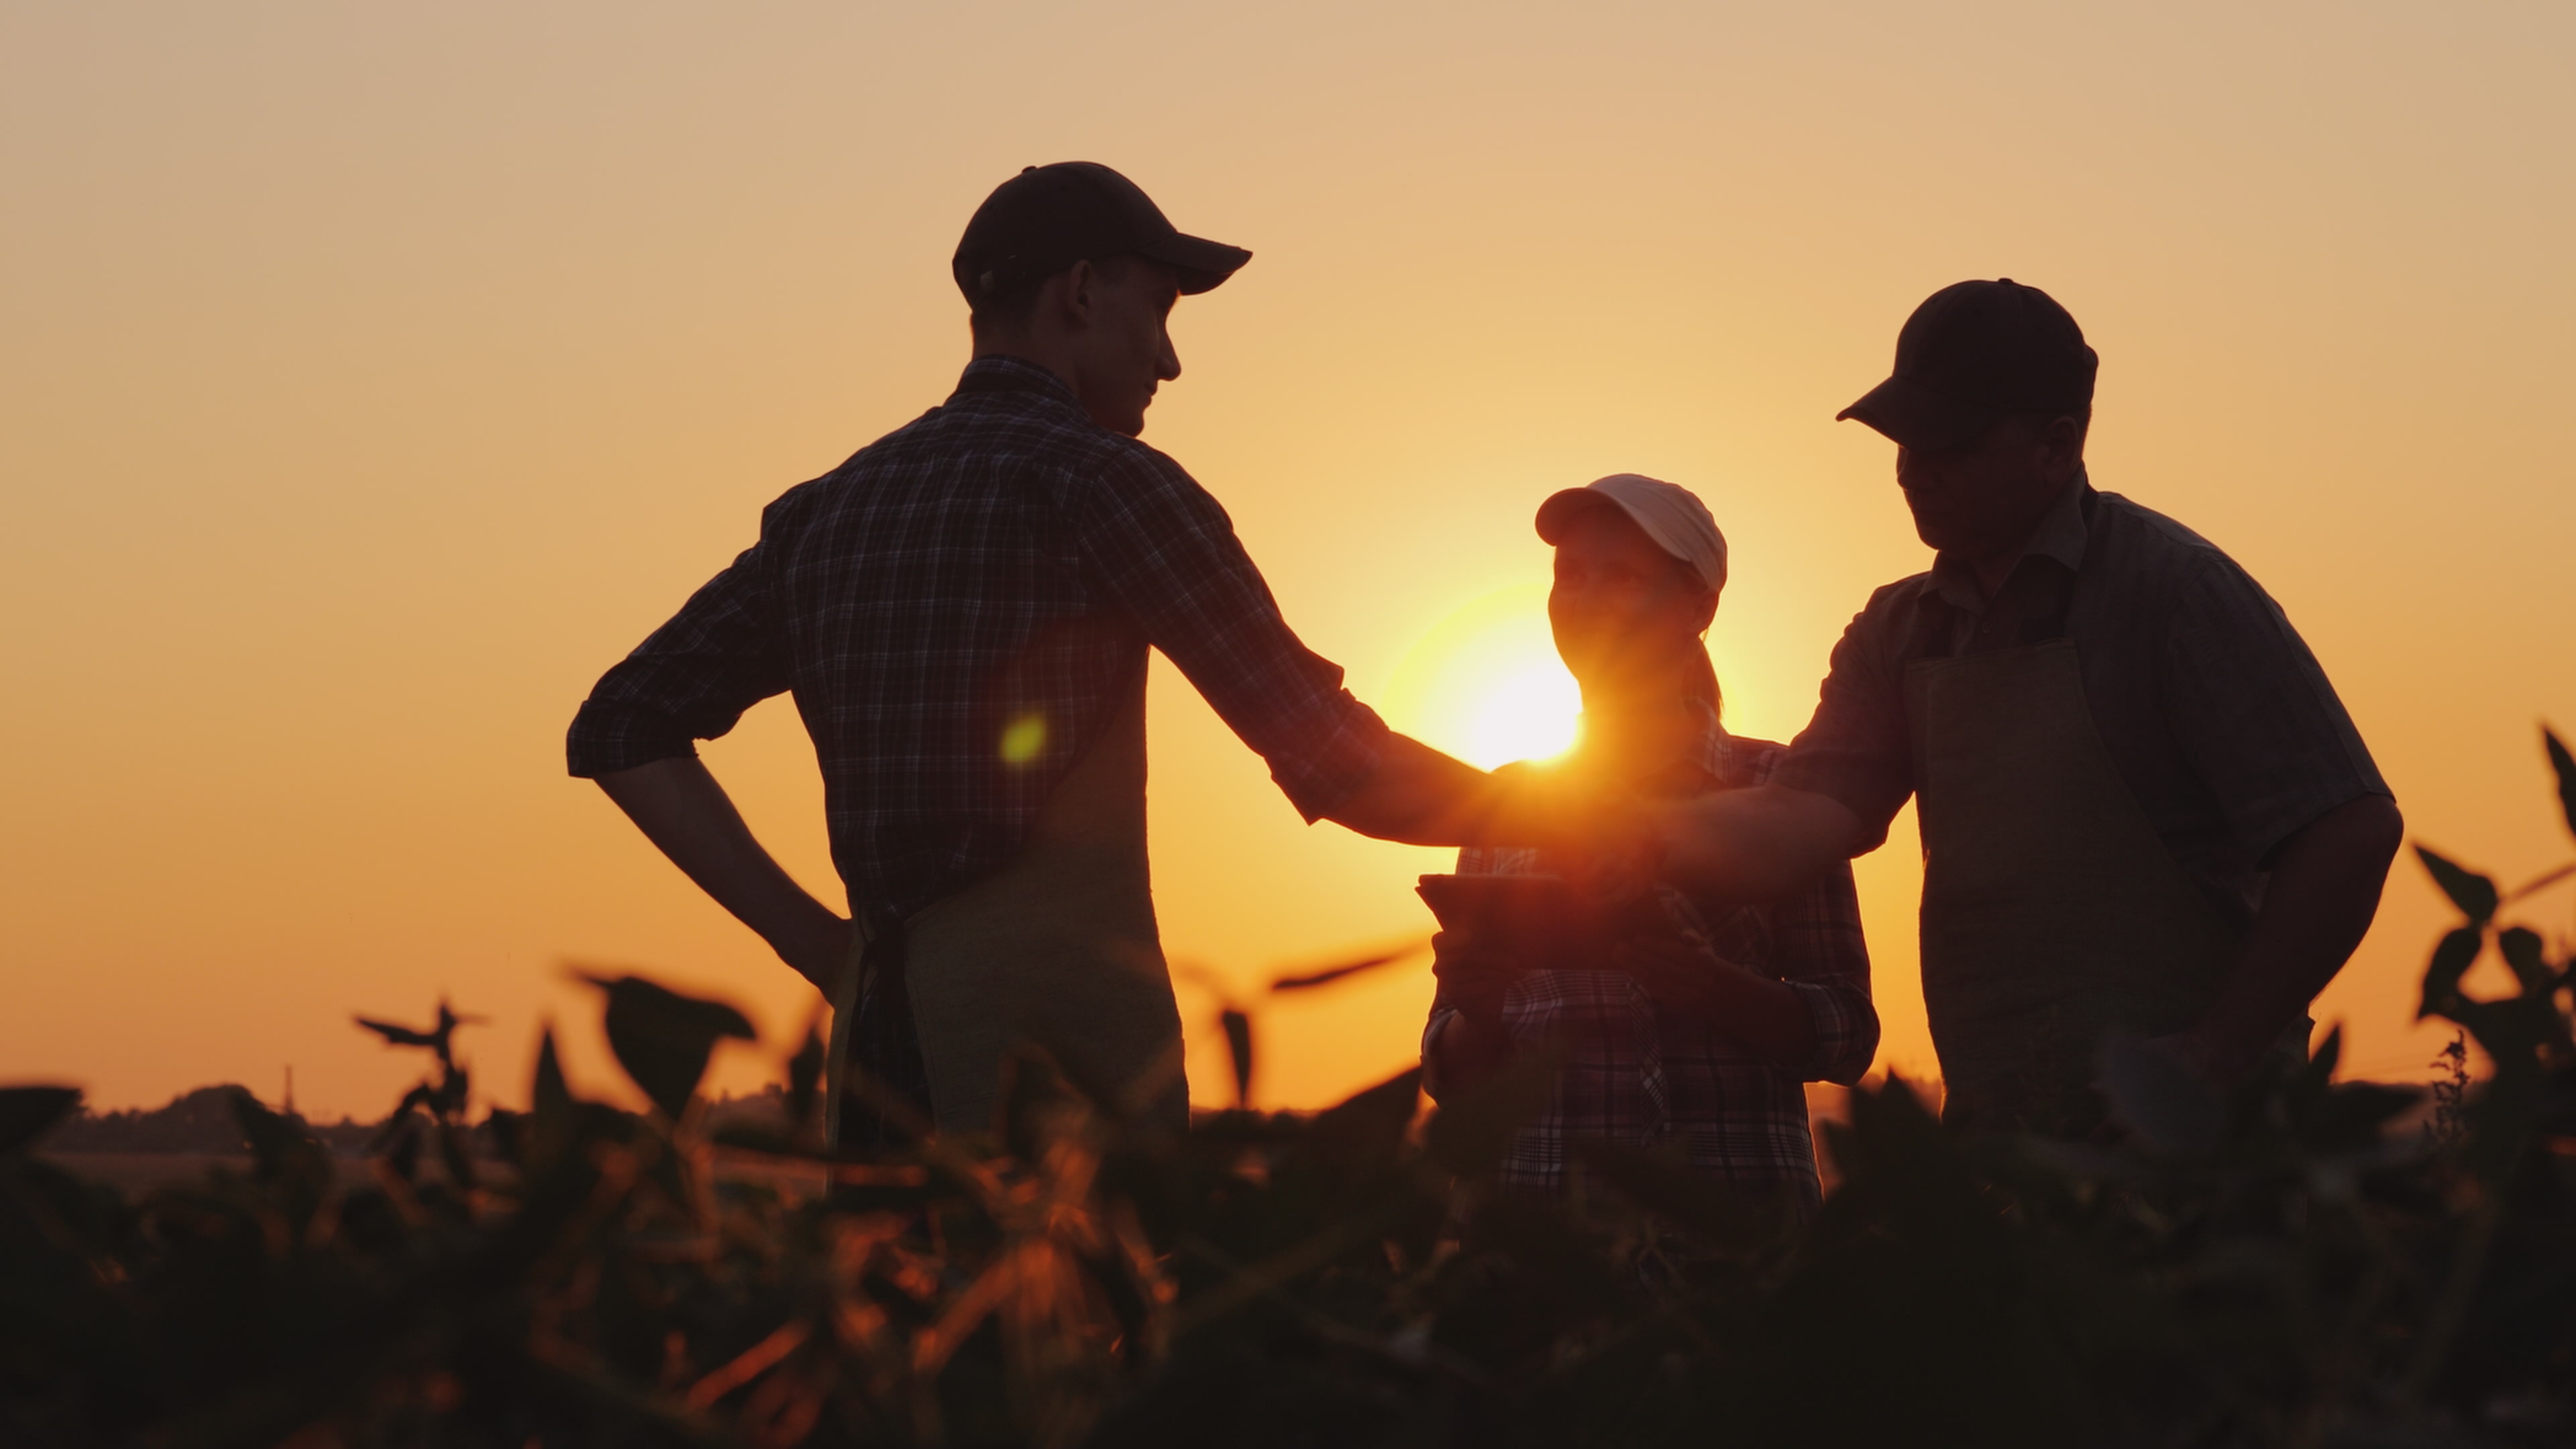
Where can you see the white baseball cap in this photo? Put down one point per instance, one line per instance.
(1670, 514)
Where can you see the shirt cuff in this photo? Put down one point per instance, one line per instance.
(606, 738)
(1329, 763)
(1846, 1033)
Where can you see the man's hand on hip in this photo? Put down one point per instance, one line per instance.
(685, 813)
(2324, 890)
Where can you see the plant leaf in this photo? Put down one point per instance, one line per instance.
(2474, 894)
(2565, 765)
(1307, 981)
(2318, 1075)
(2522, 952)
(804, 1076)
(1238, 1046)
(286, 1155)
(663, 1039)
(550, 1099)
(2452, 958)
(395, 1035)
(1361, 1137)
(27, 1113)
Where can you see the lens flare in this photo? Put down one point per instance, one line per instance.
(1023, 738)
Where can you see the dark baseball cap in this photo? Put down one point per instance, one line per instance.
(1048, 217)
(1974, 354)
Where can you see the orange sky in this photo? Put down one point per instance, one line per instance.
(372, 377)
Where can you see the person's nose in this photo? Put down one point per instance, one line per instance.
(1167, 364)
(1912, 473)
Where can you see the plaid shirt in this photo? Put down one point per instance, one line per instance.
(1642, 1073)
(954, 608)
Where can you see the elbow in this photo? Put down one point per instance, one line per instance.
(1849, 1072)
(2387, 825)
(608, 739)
(1846, 1027)
(1857, 1044)
(1846, 1068)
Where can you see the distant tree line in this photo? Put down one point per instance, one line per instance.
(202, 1120)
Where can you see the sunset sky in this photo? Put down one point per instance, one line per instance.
(373, 376)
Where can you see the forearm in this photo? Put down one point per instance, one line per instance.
(1755, 844)
(1419, 796)
(1759, 1013)
(2323, 892)
(687, 815)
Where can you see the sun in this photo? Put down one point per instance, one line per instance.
(1529, 715)
(1485, 683)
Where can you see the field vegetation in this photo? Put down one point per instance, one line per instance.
(2307, 1263)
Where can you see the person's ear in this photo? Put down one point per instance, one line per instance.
(1081, 294)
(1706, 613)
(2062, 445)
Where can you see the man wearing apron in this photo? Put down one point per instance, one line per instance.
(962, 611)
(2144, 811)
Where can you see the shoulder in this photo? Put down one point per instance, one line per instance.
(788, 510)
(898, 448)
(2150, 557)
(1889, 601)
(1124, 483)
(1879, 636)
(1119, 457)
(2141, 540)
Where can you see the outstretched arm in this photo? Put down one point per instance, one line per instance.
(1419, 796)
(2324, 889)
(1755, 844)
(681, 809)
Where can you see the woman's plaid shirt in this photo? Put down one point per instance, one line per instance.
(953, 608)
(1641, 1073)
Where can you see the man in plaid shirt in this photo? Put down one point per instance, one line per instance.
(963, 609)
(1697, 1033)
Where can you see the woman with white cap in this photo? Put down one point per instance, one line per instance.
(1695, 1023)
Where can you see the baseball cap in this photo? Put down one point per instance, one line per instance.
(1048, 217)
(1670, 514)
(1973, 354)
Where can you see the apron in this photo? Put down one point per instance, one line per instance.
(1058, 948)
(2053, 915)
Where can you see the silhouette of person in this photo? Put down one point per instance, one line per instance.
(2144, 811)
(1698, 1030)
(962, 612)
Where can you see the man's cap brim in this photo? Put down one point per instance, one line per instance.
(1203, 265)
(1914, 416)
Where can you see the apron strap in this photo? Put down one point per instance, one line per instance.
(882, 1041)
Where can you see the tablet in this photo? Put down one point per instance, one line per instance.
(1537, 913)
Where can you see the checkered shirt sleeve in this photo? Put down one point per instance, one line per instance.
(690, 680)
(956, 608)
(1165, 550)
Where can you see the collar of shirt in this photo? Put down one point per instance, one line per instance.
(997, 372)
(2060, 538)
(1713, 752)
